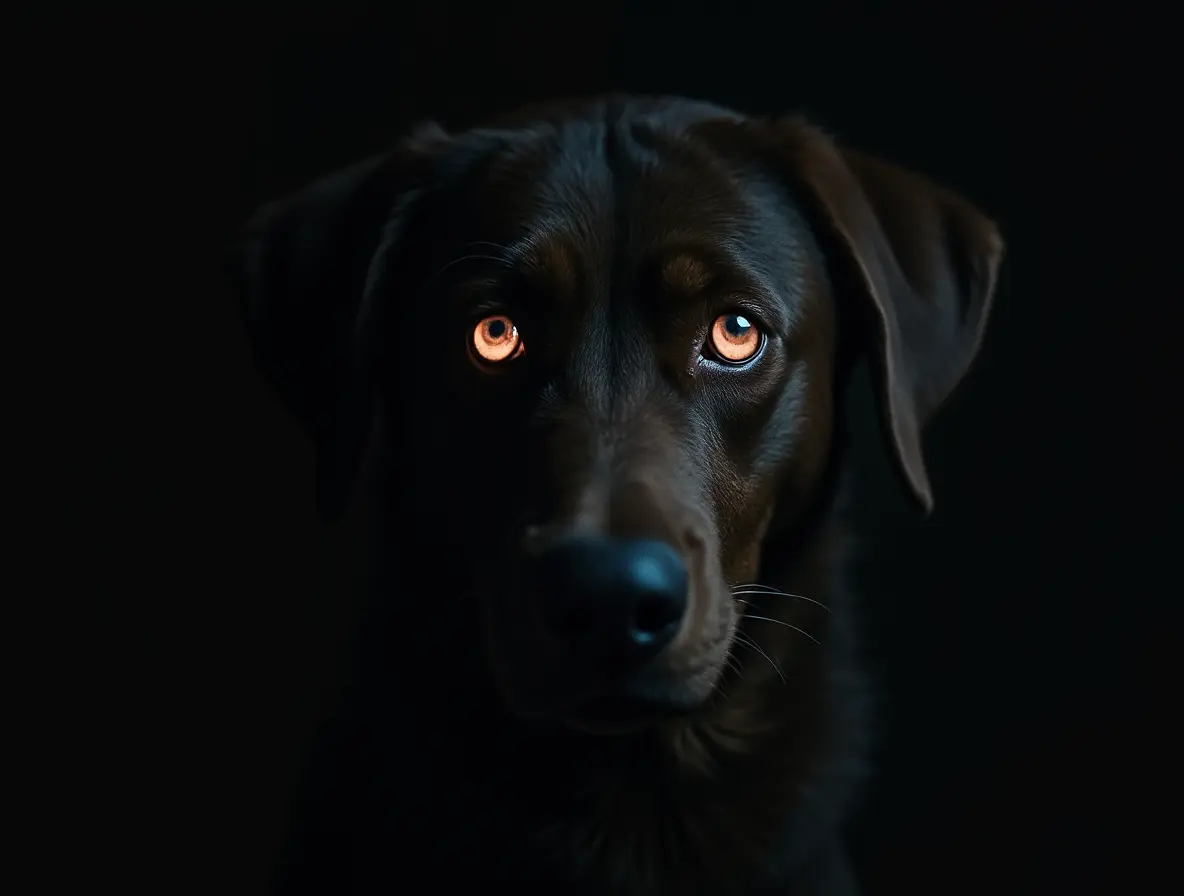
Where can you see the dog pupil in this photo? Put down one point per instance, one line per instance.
(497, 329)
(736, 325)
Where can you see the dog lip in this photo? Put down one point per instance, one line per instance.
(655, 693)
(629, 706)
(614, 708)
(613, 713)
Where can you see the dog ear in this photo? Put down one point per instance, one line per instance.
(925, 263)
(920, 263)
(299, 273)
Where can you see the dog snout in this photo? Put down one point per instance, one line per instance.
(614, 603)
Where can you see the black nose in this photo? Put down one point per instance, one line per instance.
(611, 599)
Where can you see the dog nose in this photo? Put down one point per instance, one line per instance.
(611, 599)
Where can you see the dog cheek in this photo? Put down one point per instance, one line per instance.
(742, 557)
(746, 508)
(709, 600)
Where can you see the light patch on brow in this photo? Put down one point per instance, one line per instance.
(686, 273)
(546, 259)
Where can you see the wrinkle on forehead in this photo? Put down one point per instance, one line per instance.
(563, 227)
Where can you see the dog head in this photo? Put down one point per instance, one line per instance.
(607, 340)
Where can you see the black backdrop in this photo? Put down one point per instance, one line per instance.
(1020, 633)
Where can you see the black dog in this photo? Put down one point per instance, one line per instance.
(588, 363)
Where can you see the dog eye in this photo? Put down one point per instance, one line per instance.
(496, 339)
(735, 338)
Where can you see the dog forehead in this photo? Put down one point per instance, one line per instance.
(598, 195)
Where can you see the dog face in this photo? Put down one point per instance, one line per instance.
(615, 334)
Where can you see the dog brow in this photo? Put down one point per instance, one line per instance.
(546, 259)
(688, 270)
(686, 273)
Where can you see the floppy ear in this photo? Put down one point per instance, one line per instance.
(922, 264)
(299, 274)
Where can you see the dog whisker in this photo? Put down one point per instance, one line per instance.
(748, 641)
(773, 592)
(732, 663)
(786, 624)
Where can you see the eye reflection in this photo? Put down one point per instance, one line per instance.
(496, 340)
(735, 338)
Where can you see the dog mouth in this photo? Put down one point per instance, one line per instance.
(541, 686)
(611, 715)
(654, 698)
(615, 713)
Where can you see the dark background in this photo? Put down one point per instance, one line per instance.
(1020, 634)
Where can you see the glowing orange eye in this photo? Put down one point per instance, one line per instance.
(495, 339)
(735, 338)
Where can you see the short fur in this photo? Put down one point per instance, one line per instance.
(613, 231)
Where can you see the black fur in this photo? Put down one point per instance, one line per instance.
(359, 295)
